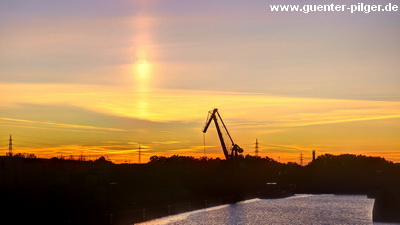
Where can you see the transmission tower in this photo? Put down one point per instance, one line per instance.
(10, 147)
(301, 158)
(140, 154)
(256, 151)
(313, 155)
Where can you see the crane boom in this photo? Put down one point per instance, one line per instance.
(209, 119)
(214, 116)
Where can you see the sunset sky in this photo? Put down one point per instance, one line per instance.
(101, 77)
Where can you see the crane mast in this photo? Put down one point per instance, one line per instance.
(214, 116)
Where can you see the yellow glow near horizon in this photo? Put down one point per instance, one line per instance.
(125, 154)
(290, 124)
(122, 102)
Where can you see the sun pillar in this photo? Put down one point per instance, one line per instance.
(142, 64)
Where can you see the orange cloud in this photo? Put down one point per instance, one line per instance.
(59, 125)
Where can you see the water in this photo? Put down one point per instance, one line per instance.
(299, 209)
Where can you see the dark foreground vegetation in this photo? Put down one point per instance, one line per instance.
(57, 191)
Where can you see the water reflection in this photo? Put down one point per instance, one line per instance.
(299, 209)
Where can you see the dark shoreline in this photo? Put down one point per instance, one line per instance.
(55, 191)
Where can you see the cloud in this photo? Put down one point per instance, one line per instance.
(259, 115)
(51, 125)
(168, 142)
(342, 120)
(249, 109)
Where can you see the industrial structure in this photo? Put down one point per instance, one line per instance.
(219, 125)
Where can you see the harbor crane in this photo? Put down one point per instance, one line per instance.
(215, 116)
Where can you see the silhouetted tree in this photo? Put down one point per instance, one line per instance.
(102, 160)
(25, 155)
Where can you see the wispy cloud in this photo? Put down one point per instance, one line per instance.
(248, 109)
(342, 120)
(47, 125)
(257, 114)
(168, 142)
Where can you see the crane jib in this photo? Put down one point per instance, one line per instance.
(212, 116)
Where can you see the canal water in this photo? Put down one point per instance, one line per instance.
(298, 209)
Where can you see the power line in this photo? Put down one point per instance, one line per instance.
(38, 138)
(30, 142)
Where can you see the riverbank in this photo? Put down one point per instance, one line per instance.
(102, 193)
